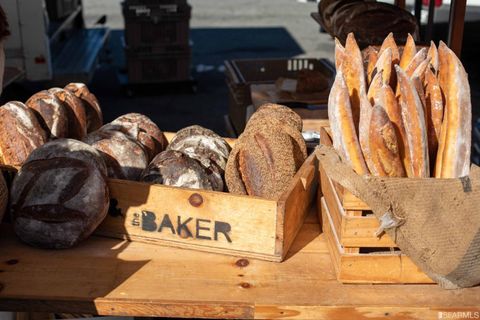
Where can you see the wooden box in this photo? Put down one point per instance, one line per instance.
(358, 254)
(211, 221)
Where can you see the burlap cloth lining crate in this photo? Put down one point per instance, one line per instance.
(436, 222)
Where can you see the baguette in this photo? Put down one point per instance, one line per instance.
(414, 122)
(371, 57)
(419, 57)
(409, 51)
(434, 113)
(433, 55)
(455, 145)
(344, 136)
(354, 75)
(375, 87)
(363, 127)
(389, 42)
(384, 65)
(339, 54)
(382, 139)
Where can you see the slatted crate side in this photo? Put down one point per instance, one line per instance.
(353, 220)
(356, 228)
(347, 199)
(375, 267)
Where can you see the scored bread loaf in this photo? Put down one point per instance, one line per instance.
(409, 51)
(415, 127)
(207, 148)
(268, 153)
(339, 54)
(363, 128)
(267, 162)
(20, 133)
(371, 58)
(389, 43)
(125, 158)
(50, 112)
(454, 148)
(90, 102)
(354, 75)
(77, 119)
(384, 65)
(60, 195)
(344, 135)
(144, 130)
(419, 57)
(174, 168)
(432, 54)
(383, 139)
(434, 114)
(386, 98)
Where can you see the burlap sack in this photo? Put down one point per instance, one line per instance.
(436, 222)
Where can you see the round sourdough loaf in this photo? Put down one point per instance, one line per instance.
(125, 158)
(51, 113)
(60, 195)
(174, 168)
(77, 119)
(144, 130)
(207, 147)
(20, 133)
(92, 107)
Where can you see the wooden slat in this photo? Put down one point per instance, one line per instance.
(369, 268)
(354, 230)
(294, 204)
(251, 221)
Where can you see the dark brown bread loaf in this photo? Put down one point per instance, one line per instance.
(267, 155)
(371, 22)
(77, 119)
(310, 81)
(92, 107)
(20, 133)
(144, 130)
(327, 9)
(207, 147)
(50, 113)
(125, 158)
(174, 168)
(60, 195)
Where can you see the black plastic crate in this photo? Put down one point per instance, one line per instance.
(242, 73)
(158, 68)
(157, 11)
(157, 29)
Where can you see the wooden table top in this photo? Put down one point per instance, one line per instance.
(113, 277)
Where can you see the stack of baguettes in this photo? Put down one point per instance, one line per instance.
(401, 114)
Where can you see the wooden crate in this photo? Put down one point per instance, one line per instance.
(211, 221)
(350, 226)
